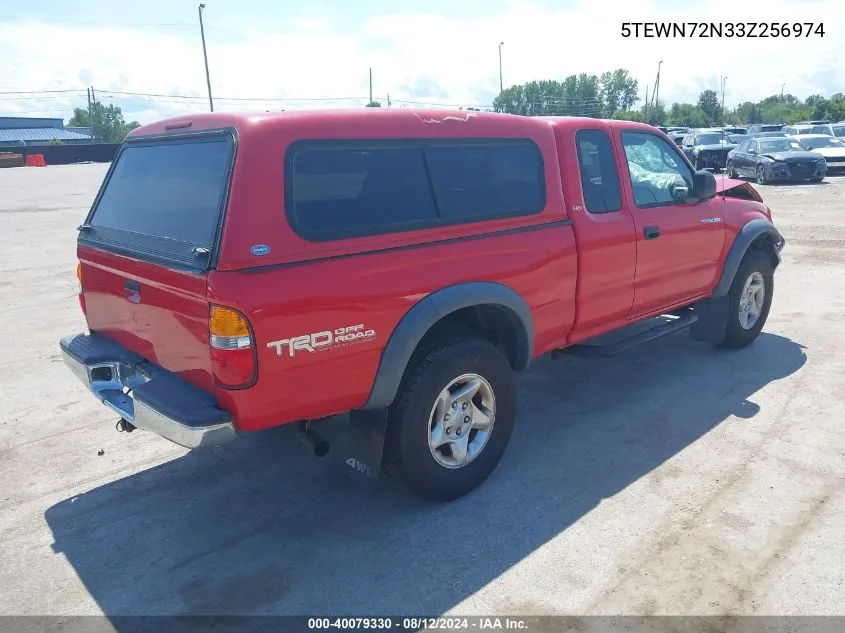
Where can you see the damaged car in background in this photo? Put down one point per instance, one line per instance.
(769, 160)
(708, 149)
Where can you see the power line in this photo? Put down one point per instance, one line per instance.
(264, 99)
(21, 92)
(94, 22)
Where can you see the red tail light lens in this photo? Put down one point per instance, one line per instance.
(232, 350)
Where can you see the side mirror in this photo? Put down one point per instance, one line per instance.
(703, 185)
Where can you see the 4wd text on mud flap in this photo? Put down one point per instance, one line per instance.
(321, 340)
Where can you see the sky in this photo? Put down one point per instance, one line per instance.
(266, 55)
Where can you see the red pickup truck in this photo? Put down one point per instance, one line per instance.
(239, 272)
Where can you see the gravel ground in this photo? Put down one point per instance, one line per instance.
(676, 479)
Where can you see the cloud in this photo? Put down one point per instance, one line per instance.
(450, 57)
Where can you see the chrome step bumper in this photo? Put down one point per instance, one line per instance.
(149, 397)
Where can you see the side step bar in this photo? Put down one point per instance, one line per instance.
(597, 350)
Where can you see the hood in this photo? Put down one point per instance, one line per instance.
(734, 188)
(795, 155)
(724, 184)
(838, 152)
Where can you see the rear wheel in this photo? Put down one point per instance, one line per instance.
(749, 299)
(452, 420)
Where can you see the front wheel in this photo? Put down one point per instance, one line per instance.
(452, 420)
(729, 168)
(761, 175)
(749, 299)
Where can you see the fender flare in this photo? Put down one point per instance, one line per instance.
(750, 232)
(712, 312)
(428, 311)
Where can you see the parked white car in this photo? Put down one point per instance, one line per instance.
(832, 148)
(831, 129)
(795, 130)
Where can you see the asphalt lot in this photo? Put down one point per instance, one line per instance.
(676, 479)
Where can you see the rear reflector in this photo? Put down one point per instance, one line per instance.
(232, 351)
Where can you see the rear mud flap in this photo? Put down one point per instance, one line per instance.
(359, 452)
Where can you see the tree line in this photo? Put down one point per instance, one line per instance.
(613, 95)
(107, 123)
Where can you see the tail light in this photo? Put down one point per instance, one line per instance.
(232, 348)
(79, 281)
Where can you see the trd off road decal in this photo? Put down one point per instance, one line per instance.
(322, 341)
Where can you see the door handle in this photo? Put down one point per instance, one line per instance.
(651, 232)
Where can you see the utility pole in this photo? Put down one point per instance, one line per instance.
(781, 91)
(645, 105)
(93, 113)
(371, 86)
(501, 82)
(657, 84)
(388, 99)
(724, 81)
(90, 116)
(205, 57)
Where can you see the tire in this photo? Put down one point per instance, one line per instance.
(729, 168)
(817, 179)
(755, 267)
(761, 176)
(435, 474)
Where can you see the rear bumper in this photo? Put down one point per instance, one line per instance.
(146, 395)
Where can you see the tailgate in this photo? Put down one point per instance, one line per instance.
(148, 243)
(158, 313)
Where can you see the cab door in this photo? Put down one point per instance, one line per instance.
(679, 243)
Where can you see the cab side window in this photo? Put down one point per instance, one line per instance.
(599, 178)
(659, 176)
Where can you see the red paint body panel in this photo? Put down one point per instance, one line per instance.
(377, 291)
(169, 325)
(581, 274)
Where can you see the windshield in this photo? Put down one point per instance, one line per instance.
(709, 139)
(839, 130)
(822, 141)
(781, 145)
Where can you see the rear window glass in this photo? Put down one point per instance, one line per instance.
(171, 190)
(348, 191)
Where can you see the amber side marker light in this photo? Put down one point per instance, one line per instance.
(79, 282)
(232, 350)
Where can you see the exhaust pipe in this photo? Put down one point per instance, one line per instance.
(315, 442)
